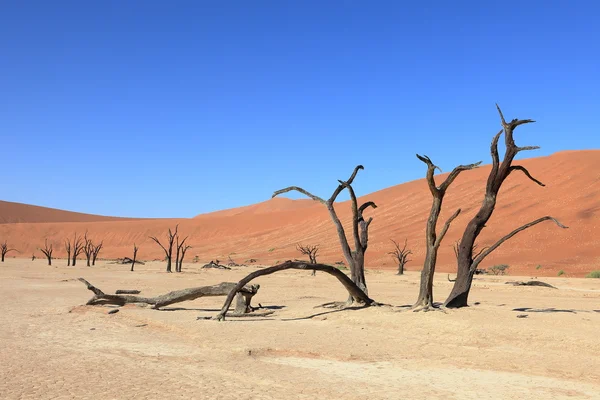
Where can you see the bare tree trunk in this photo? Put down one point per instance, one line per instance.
(96, 252)
(164, 300)
(467, 262)
(135, 250)
(168, 251)
(353, 290)
(47, 250)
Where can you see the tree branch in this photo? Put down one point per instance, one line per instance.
(299, 189)
(440, 237)
(485, 253)
(524, 170)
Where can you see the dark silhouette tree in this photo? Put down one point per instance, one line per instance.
(311, 252)
(169, 249)
(400, 255)
(433, 240)
(88, 249)
(68, 250)
(96, 251)
(135, 251)
(467, 261)
(47, 250)
(360, 229)
(4, 249)
(77, 247)
(181, 249)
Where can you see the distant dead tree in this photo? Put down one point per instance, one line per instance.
(400, 255)
(467, 261)
(360, 229)
(88, 249)
(77, 247)
(433, 240)
(311, 252)
(181, 249)
(135, 250)
(68, 250)
(47, 250)
(4, 249)
(169, 249)
(33, 256)
(96, 251)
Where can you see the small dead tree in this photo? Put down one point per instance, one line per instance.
(181, 249)
(135, 250)
(47, 250)
(96, 251)
(433, 240)
(467, 261)
(169, 249)
(88, 249)
(360, 229)
(311, 252)
(77, 247)
(68, 250)
(400, 255)
(4, 249)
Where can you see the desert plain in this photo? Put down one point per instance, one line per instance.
(512, 342)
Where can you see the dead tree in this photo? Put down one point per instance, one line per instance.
(4, 249)
(135, 250)
(433, 240)
(168, 250)
(68, 250)
(360, 228)
(88, 249)
(177, 296)
(354, 291)
(181, 249)
(47, 250)
(311, 252)
(467, 261)
(400, 255)
(96, 251)
(77, 247)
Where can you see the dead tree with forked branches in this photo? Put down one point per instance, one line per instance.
(88, 249)
(4, 249)
(181, 249)
(96, 251)
(77, 247)
(400, 255)
(310, 251)
(433, 240)
(467, 261)
(47, 250)
(360, 229)
(169, 249)
(68, 250)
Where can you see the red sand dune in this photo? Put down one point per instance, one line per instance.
(269, 231)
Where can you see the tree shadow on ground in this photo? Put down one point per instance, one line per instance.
(324, 313)
(544, 310)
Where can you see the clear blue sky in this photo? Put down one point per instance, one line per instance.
(171, 109)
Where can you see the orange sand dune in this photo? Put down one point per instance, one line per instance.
(269, 231)
(17, 212)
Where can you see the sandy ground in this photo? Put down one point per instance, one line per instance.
(54, 347)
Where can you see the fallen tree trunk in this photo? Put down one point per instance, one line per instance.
(531, 283)
(350, 286)
(177, 296)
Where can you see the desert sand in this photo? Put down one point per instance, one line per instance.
(269, 231)
(52, 346)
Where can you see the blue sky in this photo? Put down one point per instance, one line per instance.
(171, 109)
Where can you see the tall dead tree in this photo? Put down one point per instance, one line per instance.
(68, 250)
(433, 240)
(135, 250)
(311, 252)
(77, 247)
(400, 255)
(88, 249)
(360, 229)
(47, 250)
(169, 249)
(467, 261)
(4, 249)
(184, 249)
(96, 251)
